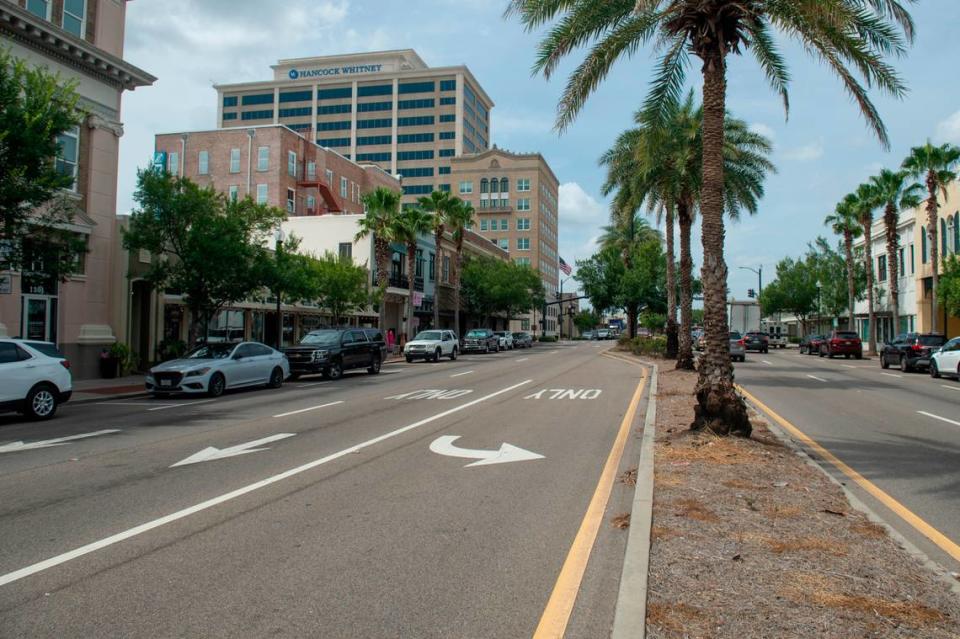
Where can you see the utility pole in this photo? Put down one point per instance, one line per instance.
(759, 272)
(279, 237)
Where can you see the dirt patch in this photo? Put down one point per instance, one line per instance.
(629, 477)
(621, 521)
(748, 540)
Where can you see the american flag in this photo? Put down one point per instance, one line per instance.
(565, 267)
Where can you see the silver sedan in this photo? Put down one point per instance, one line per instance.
(213, 368)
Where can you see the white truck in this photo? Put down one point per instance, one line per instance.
(777, 332)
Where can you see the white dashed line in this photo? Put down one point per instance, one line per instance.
(202, 401)
(892, 375)
(522, 360)
(304, 410)
(819, 379)
(953, 388)
(460, 374)
(768, 363)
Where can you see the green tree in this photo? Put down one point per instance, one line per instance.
(843, 222)
(585, 321)
(341, 285)
(611, 286)
(949, 291)
(628, 232)
(492, 287)
(460, 218)
(440, 204)
(895, 192)
(793, 291)
(36, 109)
(851, 36)
(288, 275)
(829, 268)
(408, 226)
(937, 165)
(381, 206)
(206, 246)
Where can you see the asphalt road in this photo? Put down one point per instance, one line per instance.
(901, 431)
(342, 522)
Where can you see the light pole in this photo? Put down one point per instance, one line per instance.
(819, 286)
(560, 308)
(759, 272)
(279, 236)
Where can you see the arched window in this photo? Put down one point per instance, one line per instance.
(494, 185)
(484, 186)
(504, 185)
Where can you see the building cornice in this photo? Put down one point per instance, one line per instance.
(64, 47)
(463, 162)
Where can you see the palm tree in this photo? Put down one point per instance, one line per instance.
(938, 166)
(895, 193)
(844, 222)
(459, 219)
(408, 226)
(439, 203)
(851, 36)
(863, 202)
(628, 232)
(381, 206)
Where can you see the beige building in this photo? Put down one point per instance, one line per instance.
(82, 40)
(385, 107)
(948, 236)
(515, 198)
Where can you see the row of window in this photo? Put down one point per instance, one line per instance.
(257, 115)
(523, 243)
(73, 18)
(523, 224)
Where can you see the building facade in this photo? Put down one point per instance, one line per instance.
(82, 40)
(384, 107)
(515, 196)
(948, 217)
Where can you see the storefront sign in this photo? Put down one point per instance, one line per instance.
(159, 160)
(296, 74)
(6, 284)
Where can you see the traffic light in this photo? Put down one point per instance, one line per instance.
(557, 295)
(751, 293)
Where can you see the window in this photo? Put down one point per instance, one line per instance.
(913, 260)
(414, 155)
(504, 243)
(448, 85)
(257, 115)
(900, 262)
(417, 87)
(426, 103)
(311, 204)
(298, 112)
(373, 157)
(234, 160)
(504, 185)
(444, 153)
(263, 158)
(68, 155)
(882, 268)
(448, 118)
(423, 171)
(483, 225)
(420, 120)
(923, 245)
(943, 238)
(291, 163)
(74, 17)
(343, 187)
(234, 192)
(418, 189)
(484, 185)
(466, 187)
(331, 94)
(505, 224)
(203, 163)
(443, 170)
(522, 261)
(330, 109)
(332, 142)
(342, 125)
(39, 8)
(261, 194)
(230, 101)
(523, 243)
(372, 140)
(445, 269)
(523, 184)
(329, 175)
(484, 203)
(345, 250)
(291, 201)
(523, 224)
(447, 101)
(229, 116)
(363, 107)
(380, 123)
(447, 135)
(523, 204)
(433, 267)
(380, 89)
(444, 188)
(173, 163)
(311, 170)
(261, 98)
(296, 96)
(414, 138)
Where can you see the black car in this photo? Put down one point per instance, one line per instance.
(756, 341)
(911, 350)
(334, 350)
(481, 339)
(522, 340)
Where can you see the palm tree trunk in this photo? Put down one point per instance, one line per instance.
(672, 346)
(411, 271)
(382, 257)
(867, 223)
(456, 288)
(932, 233)
(851, 277)
(719, 407)
(893, 266)
(437, 239)
(685, 355)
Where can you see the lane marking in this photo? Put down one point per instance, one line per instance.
(13, 447)
(523, 359)
(212, 453)
(461, 374)
(849, 366)
(942, 419)
(304, 410)
(553, 622)
(311, 384)
(768, 363)
(819, 379)
(942, 541)
(892, 375)
(210, 503)
(202, 401)
(953, 388)
(132, 404)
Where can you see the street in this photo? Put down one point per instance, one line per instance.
(900, 431)
(432, 500)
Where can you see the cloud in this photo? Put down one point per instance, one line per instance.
(762, 129)
(507, 123)
(805, 153)
(577, 207)
(949, 130)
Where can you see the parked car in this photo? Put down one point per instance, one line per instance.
(810, 344)
(432, 345)
(846, 343)
(946, 361)
(738, 347)
(604, 333)
(523, 340)
(214, 368)
(506, 340)
(756, 341)
(910, 350)
(34, 378)
(332, 351)
(481, 339)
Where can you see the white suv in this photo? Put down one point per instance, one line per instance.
(506, 340)
(34, 378)
(432, 345)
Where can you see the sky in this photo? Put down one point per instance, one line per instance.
(823, 151)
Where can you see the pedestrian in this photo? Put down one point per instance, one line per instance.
(391, 340)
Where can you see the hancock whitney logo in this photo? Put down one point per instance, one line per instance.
(294, 74)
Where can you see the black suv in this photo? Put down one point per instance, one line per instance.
(911, 350)
(481, 339)
(334, 350)
(756, 341)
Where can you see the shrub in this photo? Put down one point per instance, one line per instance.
(794, 340)
(548, 338)
(125, 357)
(649, 346)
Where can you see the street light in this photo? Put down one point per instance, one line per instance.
(279, 236)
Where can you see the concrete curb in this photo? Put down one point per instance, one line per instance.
(630, 615)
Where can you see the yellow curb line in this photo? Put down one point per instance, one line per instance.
(553, 622)
(942, 541)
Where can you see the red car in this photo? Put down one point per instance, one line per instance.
(844, 343)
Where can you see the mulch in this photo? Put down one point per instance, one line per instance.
(749, 540)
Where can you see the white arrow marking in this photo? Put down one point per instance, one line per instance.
(507, 453)
(210, 453)
(13, 447)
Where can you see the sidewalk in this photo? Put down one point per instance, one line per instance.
(98, 390)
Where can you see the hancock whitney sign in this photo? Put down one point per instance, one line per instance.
(323, 72)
